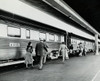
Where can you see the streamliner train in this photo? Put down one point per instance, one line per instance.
(17, 31)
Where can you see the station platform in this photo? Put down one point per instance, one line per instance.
(84, 68)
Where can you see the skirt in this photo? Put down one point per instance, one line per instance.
(28, 58)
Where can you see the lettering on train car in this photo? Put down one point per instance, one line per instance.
(14, 44)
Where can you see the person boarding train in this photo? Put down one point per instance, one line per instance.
(28, 57)
(64, 51)
(40, 53)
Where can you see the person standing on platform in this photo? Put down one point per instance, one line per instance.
(45, 51)
(71, 49)
(28, 57)
(81, 49)
(84, 50)
(63, 50)
(40, 51)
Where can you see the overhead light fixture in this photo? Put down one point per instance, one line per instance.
(56, 6)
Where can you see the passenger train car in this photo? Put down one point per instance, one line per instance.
(17, 31)
(75, 40)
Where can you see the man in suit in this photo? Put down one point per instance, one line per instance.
(40, 53)
(46, 51)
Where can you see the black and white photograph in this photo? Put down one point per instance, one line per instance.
(49, 40)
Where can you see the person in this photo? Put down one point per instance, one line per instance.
(78, 51)
(81, 49)
(28, 57)
(45, 51)
(63, 50)
(71, 49)
(84, 50)
(40, 51)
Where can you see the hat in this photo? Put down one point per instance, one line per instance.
(41, 39)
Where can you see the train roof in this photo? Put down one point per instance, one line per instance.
(79, 37)
(29, 22)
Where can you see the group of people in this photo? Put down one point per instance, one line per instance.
(41, 50)
(81, 50)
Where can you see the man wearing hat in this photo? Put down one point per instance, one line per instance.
(40, 51)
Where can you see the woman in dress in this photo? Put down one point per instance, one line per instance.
(63, 50)
(28, 57)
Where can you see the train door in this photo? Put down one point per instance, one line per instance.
(68, 39)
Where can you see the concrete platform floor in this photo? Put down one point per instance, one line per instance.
(85, 68)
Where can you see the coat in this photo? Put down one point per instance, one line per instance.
(40, 49)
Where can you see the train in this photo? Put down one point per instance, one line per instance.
(16, 31)
(75, 40)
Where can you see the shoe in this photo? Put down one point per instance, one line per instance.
(40, 68)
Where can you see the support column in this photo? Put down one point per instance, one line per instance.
(96, 45)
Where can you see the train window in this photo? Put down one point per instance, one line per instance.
(58, 38)
(14, 32)
(51, 37)
(47, 36)
(76, 41)
(62, 38)
(27, 33)
(3, 30)
(34, 35)
(42, 35)
(87, 43)
(73, 41)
